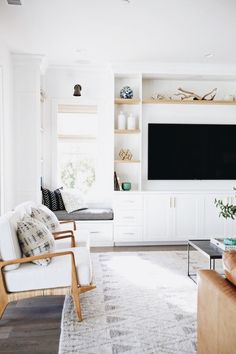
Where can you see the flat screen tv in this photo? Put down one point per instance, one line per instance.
(191, 151)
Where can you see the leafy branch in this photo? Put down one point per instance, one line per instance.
(226, 210)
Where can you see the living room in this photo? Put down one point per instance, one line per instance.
(117, 125)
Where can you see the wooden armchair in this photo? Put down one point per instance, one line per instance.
(69, 271)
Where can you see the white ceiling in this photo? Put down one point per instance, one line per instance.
(121, 31)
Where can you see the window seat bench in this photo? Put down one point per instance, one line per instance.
(97, 221)
(86, 214)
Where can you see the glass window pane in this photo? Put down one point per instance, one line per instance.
(77, 151)
(77, 124)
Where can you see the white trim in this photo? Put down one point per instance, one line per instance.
(2, 194)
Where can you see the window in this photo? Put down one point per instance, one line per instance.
(77, 147)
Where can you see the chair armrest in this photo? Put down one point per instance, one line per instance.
(35, 258)
(69, 222)
(74, 275)
(58, 235)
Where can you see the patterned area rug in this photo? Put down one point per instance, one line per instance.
(144, 303)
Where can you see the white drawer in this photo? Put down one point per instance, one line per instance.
(129, 217)
(128, 201)
(99, 232)
(128, 233)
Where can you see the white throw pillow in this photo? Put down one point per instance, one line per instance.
(73, 200)
(47, 217)
(35, 239)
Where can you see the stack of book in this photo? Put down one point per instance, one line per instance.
(225, 244)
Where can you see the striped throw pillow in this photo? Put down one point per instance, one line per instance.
(52, 199)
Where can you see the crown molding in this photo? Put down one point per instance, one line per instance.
(205, 69)
(29, 59)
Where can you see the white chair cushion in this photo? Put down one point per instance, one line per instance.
(9, 245)
(82, 238)
(56, 275)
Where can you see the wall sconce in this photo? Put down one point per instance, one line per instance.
(77, 90)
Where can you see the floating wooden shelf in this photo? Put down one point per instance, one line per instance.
(127, 161)
(130, 191)
(76, 136)
(127, 131)
(127, 100)
(203, 102)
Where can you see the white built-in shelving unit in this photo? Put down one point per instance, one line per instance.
(128, 170)
(168, 211)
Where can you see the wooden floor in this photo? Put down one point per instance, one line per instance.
(32, 326)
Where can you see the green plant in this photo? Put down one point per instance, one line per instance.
(226, 210)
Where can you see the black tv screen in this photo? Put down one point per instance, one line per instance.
(191, 151)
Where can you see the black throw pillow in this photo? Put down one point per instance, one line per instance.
(52, 199)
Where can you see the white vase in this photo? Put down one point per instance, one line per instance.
(121, 121)
(131, 122)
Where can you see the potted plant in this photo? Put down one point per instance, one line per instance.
(226, 210)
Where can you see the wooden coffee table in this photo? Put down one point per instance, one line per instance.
(207, 249)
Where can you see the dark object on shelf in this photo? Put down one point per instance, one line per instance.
(126, 186)
(126, 92)
(116, 183)
(77, 90)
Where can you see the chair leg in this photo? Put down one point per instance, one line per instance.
(3, 305)
(76, 298)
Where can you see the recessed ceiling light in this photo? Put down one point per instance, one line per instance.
(80, 51)
(209, 55)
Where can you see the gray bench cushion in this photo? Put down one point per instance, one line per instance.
(86, 214)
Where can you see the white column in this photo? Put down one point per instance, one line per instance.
(26, 117)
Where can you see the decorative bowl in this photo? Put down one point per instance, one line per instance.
(126, 186)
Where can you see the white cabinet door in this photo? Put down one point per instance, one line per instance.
(214, 226)
(186, 217)
(101, 232)
(128, 233)
(157, 217)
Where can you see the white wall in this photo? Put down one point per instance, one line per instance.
(97, 88)
(7, 132)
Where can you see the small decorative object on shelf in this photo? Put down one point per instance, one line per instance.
(121, 121)
(230, 241)
(131, 125)
(126, 186)
(227, 244)
(125, 154)
(189, 95)
(126, 92)
(229, 98)
(159, 97)
(77, 90)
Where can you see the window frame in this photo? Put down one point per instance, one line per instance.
(56, 103)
